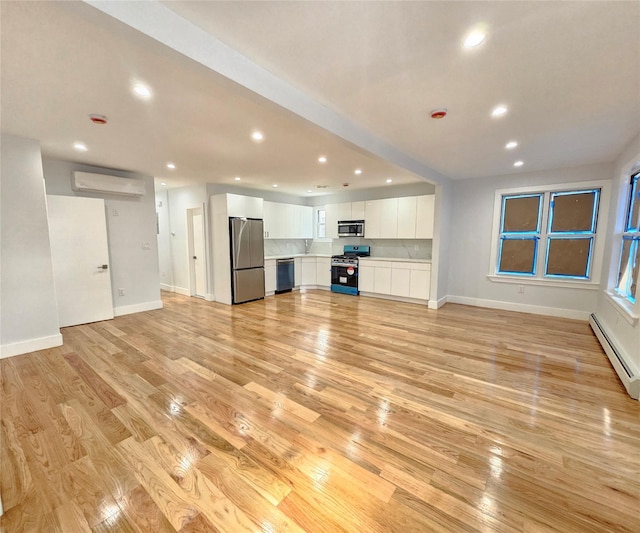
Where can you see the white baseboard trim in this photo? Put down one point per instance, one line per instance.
(177, 290)
(629, 375)
(437, 304)
(210, 298)
(521, 308)
(137, 308)
(31, 345)
(394, 298)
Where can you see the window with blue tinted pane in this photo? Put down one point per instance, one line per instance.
(630, 245)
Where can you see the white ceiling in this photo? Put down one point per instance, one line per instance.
(569, 72)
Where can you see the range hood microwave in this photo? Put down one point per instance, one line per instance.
(351, 228)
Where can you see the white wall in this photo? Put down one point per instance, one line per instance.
(179, 200)
(165, 261)
(131, 223)
(621, 329)
(28, 309)
(470, 247)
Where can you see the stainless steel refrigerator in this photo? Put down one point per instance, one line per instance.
(247, 259)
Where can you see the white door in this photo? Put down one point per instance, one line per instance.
(198, 257)
(80, 254)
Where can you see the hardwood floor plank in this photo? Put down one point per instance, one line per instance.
(279, 415)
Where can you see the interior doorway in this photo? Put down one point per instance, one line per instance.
(197, 252)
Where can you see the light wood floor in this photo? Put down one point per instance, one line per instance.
(319, 412)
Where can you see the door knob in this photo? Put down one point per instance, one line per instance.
(195, 257)
(103, 267)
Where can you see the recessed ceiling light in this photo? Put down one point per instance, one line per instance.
(275, 185)
(474, 39)
(142, 91)
(309, 190)
(257, 136)
(511, 145)
(518, 163)
(499, 111)
(389, 180)
(163, 184)
(81, 147)
(322, 159)
(171, 166)
(357, 171)
(237, 178)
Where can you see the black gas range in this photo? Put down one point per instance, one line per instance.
(344, 269)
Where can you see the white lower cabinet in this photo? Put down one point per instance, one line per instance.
(404, 279)
(382, 280)
(401, 282)
(365, 277)
(309, 274)
(297, 271)
(419, 284)
(323, 271)
(270, 276)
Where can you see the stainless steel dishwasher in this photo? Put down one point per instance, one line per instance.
(284, 275)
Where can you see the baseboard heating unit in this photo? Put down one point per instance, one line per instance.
(630, 380)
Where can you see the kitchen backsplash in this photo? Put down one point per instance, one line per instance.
(400, 248)
(275, 247)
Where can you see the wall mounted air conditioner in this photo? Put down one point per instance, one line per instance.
(103, 183)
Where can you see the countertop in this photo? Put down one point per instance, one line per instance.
(396, 259)
(370, 258)
(287, 256)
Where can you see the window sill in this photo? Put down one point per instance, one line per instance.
(623, 307)
(582, 285)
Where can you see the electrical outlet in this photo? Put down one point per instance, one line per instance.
(416, 248)
(115, 213)
(146, 245)
(121, 292)
(521, 289)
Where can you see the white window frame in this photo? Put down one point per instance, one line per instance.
(316, 224)
(593, 283)
(628, 310)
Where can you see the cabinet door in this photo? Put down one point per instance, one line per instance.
(357, 210)
(344, 211)
(424, 216)
(382, 280)
(297, 271)
(420, 284)
(244, 206)
(331, 221)
(286, 226)
(269, 276)
(309, 275)
(407, 217)
(323, 272)
(303, 222)
(270, 210)
(372, 217)
(365, 278)
(400, 282)
(389, 218)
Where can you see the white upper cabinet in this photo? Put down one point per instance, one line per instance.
(303, 215)
(424, 216)
(287, 221)
(372, 219)
(331, 221)
(407, 217)
(344, 211)
(357, 210)
(389, 218)
(244, 206)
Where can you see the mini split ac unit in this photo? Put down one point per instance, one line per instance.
(102, 183)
